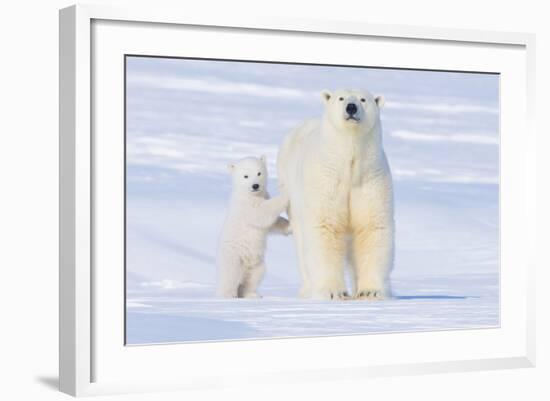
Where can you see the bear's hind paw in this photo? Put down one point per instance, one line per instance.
(371, 294)
(340, 295)
(333, 295)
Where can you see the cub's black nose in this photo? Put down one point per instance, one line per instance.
(351, 109)
(255, 187)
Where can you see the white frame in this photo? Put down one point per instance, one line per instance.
(76, 208)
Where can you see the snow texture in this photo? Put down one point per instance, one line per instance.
(187, 119)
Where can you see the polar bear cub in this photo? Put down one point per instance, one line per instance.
(251, 216)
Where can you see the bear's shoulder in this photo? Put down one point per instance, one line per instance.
(309, 126)
(302, 132)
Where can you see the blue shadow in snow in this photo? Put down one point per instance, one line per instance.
(145, 328)
(406, 297)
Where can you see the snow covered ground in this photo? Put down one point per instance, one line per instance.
(188, 119)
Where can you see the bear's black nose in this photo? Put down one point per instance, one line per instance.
(255, 187)
(351, 109)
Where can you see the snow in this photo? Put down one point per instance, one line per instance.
(188, 119)
(423, 303)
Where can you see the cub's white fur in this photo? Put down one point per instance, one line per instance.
(341, 198)
(252, 215)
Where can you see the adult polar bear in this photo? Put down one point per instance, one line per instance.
(341, 198)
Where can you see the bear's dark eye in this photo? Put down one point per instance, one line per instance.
(341, 99)
(245, 176)
(259, 174)
(363, 99)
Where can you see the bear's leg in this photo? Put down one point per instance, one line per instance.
(372, 256)
(325, 255)
(297, 231)
(350, 264)
(372, 228)
(252, 278)
(230, 276)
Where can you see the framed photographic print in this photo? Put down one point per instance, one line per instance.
(361, 208)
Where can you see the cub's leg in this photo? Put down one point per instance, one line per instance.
(251, 281)
(230, 276)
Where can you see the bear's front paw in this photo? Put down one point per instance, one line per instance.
(334, 295)
(371, 294)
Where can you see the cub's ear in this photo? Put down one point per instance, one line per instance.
(380, 101)
(230, 167)
(262, 158)
(326, 95)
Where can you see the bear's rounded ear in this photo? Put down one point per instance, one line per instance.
(262, 158)
(326, 95)
(230, 167)
(380, 101)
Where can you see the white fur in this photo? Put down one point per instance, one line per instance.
(341, 199)
(252, 215)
